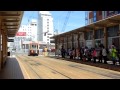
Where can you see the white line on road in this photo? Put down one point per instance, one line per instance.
(23, 68)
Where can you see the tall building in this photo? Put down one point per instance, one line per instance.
(94, 16)
(45, 27)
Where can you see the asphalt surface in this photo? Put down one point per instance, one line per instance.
(40, 67)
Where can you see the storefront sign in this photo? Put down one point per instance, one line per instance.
(21, 34)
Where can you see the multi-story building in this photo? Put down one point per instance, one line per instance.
(112, 31)
(26, 33)
(32, 30)
(45, 27)
(94, 16)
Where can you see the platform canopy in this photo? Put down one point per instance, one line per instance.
(107, 22)
(10, 21)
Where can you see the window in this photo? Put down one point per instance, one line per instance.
(89, 35)
(47, 36)
(32, 24)
(47, 39)
(113, 31)
(90, 20)
(94, 13)
(97, 34)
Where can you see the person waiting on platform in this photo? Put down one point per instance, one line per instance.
(104, 54)
(114, 54)
(94, 55)
(63, 52)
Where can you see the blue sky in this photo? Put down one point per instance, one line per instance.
(76, 19)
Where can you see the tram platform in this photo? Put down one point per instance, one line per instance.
(109, 64)
(12, 69)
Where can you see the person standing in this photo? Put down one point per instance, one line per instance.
(114, 54)
(94, 54)
(63, 52)
(100, 55)
(104, 54)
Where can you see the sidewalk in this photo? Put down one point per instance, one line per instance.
(11, 70)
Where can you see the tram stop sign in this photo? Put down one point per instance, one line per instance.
(10, 40)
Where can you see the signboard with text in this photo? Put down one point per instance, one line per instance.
(21, 34)
(10, 40)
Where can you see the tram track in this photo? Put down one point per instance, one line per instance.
(66, 70)
(54, 67)
(109, 73)
(24, 61)
(52, 70)
(103, 73)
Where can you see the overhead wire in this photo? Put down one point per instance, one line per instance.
(56, 27)
(66, 21)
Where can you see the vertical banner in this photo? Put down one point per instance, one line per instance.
(94, 16)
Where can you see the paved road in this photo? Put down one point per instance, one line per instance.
(40, 67)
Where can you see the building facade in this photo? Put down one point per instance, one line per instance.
(45, 27)
(112, 31)
(94, 16)
(26, 33)
(104, 31)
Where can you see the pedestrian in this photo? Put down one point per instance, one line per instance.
(94, 55)
(100, 55)
(114, 54)
(104, 54)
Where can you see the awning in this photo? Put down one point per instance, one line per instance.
(10, 21)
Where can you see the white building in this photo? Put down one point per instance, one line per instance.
(26, 33)
(45, 27)
(32, 30)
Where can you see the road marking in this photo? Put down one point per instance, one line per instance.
(24, 69)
